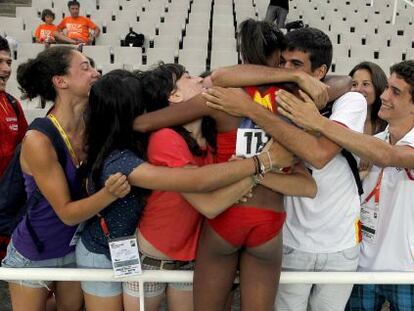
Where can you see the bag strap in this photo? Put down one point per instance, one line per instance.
(45, 126)
(13, 102)
(326, 112)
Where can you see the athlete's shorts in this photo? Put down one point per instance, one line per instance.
(248, 226)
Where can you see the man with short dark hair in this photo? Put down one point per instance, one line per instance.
(13, 124)
(387, 204)
(77, 27)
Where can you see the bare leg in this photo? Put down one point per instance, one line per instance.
(26, 298)
(179, 300)
(95, 303)
(214, 272)
(69, 296)
(131, 303)
(259, 275)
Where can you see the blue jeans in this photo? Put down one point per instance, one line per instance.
(87, 259)
(372, 297)
(14, 259)
(316, 297)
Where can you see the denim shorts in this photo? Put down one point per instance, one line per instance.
(14, 259)
(87, 259)
(154, 289)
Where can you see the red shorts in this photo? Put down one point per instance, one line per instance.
(248, 226)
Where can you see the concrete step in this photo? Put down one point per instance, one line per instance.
(8, 8)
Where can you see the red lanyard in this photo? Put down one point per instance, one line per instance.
(376, 191)
(103, 225)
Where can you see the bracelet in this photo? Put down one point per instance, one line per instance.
(270, 160)
(261, 169)
(256, 165)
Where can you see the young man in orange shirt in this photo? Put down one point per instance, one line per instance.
(77, 27)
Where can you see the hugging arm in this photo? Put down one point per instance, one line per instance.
(39, 159)
(172, 115)
(298, 183)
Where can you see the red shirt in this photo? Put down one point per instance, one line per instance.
(12, 130)
(169, 222)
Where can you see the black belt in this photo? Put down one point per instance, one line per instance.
(163, 264)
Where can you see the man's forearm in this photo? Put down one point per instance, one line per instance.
(367, 147)
(302, 144)
(245, 75)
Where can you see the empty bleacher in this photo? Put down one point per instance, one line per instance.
(201, 34)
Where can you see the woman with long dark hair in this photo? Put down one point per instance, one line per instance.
(62, 75)
(370, 80)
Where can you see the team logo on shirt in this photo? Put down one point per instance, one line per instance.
(264, 101)
(74, 28)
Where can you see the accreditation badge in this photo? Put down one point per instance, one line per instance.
(369, 223)
(125, 256)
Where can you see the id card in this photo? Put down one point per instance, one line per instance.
(250, 142)
(125, 256)
(369, 223)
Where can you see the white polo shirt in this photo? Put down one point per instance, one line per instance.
(392, 249)
(329, 222)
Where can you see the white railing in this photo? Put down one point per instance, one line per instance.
(394, 12)
(106, 275)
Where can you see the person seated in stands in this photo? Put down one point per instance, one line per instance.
(77, 27)
(45, 33)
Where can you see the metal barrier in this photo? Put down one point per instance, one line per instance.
(106, 275)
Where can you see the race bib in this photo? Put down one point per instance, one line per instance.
(250, 141)
(125, 256)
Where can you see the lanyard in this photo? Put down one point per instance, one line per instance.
(376, 191)
(65, 139)
(103, 225)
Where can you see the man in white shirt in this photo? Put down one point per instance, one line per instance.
(320, 234)
(387, 205)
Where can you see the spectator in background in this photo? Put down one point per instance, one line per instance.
(13, 124)
(369, 80)
(77, 27)
(45, 33)
(277, 11)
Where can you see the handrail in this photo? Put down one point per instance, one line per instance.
(288, 277)
(53, 274)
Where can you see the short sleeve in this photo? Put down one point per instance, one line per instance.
(350, 110)
(62, 24)
(167, 148)
(90, 24)
(37, 33)
(120, 161)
